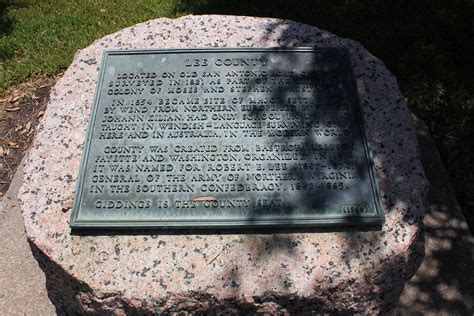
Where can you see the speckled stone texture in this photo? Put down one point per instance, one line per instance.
(278, 272)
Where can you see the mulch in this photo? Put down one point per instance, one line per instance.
(21, 108)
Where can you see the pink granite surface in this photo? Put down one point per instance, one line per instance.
(296, 272)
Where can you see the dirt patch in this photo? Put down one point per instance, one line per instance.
(21, 108)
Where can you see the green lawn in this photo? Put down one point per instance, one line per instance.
(41, 37)
(427, 44)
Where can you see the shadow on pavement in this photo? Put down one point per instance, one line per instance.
(445, 281)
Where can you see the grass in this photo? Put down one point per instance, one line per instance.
(41, 37)
(427, 44)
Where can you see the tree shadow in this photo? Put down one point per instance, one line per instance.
(5, 28)
(427, 44)
(405, 35)
(5, 21)
(396, 268)
(6, 25)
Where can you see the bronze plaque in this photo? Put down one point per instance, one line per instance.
(203, 138)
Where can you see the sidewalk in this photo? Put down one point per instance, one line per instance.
(444, 284)
(23, 285)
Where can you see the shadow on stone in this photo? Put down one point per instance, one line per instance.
(336, 271)
(435, 76)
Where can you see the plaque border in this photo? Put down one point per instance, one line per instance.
(269, 222)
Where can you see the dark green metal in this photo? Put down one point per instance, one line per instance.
(242, 137)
